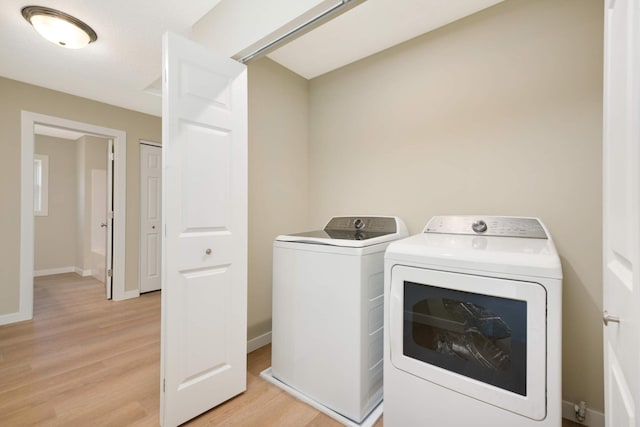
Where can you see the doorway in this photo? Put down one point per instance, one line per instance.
(72, 201)
(28, 121)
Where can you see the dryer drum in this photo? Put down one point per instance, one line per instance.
(463, 329)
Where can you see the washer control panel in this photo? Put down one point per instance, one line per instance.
(503, 226)
(375, 224)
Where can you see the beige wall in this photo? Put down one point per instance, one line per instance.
(55, 234)
(278, 165)
(499, 113)
(19, 96)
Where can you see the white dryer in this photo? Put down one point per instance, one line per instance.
(328, 312)
(473, 310)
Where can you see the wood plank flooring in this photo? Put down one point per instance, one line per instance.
(86, 361)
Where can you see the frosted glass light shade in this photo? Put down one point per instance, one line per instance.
(59, 28)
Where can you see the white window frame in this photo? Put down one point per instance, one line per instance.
(40, 185)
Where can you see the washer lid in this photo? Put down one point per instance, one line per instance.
(353, 231)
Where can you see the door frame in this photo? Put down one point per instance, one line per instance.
(141, 237)
(27, 243)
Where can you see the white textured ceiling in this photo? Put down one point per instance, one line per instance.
(126, 59)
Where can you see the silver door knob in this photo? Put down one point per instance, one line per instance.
(208, 252)
(606, 318)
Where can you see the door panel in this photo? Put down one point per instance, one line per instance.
(150, 217)
(211, 157)
(204, 276)
(621, 413)
(621, 198)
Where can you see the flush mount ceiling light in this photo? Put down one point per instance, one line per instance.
(59, 28)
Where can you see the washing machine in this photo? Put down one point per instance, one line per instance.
(328, 312)
(473, 325)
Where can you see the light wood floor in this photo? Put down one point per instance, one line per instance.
(85, 361)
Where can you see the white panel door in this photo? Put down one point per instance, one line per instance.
(108, 284)
(621, 221)
(204, 276)
(150, 217)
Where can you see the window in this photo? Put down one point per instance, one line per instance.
(40, 185)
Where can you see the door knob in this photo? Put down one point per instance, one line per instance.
(103, 225)
(606, 318)
(208, 252)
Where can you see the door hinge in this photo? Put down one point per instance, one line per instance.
(109, 272)
(112, 156)
(164, 383)
(110, 214)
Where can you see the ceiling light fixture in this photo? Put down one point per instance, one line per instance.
(58, 27)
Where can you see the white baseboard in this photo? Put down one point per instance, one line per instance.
(84, 273)
(5, 319)
(259, 341)
(593, 418)
(50, 271)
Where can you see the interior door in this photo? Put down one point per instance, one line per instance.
(204, 276)
(150, 216)
(621, 221)
(108, 284)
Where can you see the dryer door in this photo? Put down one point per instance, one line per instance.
(484, 337)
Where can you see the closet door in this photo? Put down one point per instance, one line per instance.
(204, 277)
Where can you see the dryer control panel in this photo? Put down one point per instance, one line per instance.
(504, 226)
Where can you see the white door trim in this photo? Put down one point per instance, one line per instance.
(154, 144)
(28, 120)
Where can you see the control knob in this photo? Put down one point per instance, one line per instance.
(479, 226)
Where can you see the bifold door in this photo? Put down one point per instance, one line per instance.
(204, 277)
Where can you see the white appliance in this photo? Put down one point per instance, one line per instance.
(328, 312)
(473, 310)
